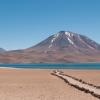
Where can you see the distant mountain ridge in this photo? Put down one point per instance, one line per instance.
(62, 47)
(2, 50)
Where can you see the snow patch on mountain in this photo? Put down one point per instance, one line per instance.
(54, 38)
(69, 34)
(70, 41)
(50, 46)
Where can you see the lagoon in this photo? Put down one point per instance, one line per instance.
(90, 66)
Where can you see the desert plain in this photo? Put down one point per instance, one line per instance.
(38, 84)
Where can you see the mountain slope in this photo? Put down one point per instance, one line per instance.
(62, 47)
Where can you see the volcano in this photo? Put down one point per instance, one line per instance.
(68, 42)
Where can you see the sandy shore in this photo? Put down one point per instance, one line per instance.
(41, 85)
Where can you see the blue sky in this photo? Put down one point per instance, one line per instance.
(24, 23)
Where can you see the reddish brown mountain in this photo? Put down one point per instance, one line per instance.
(68, 42)
(62, 47)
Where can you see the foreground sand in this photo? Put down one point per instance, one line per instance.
(41, 85)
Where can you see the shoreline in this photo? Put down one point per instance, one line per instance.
(50, 69)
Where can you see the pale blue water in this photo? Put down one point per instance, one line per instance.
(94, 66)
